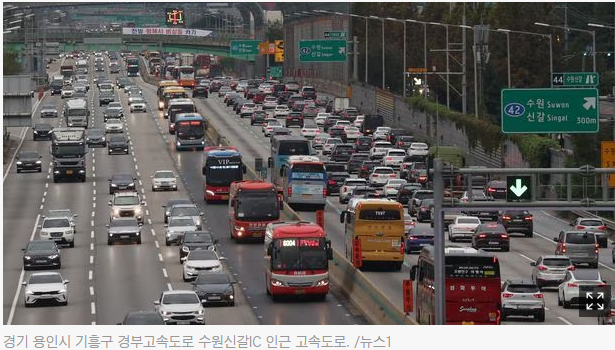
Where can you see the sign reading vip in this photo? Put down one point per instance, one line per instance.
(322, 51)
(547, 111)
(575, 79)
(518, 188)
(244, 47)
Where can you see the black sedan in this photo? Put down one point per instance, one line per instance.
(118, 144)
(335, 180)
(195, 240)
(258, 117)
(417, 238)
(41, 253)
(200, 91)
(214, 288)
(42, 131)
(119, 182)
(29, 160)
(491, 236)
(96, 137)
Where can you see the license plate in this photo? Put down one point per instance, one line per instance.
(300, 291)
(523, 306)
(306, 195)
(213, 298)
(494, 243)
(580, 254)
(41, 261)
(257, 234)
(224, 196)
(69, 172)
(124, 236)
(517, 220)
(467, 323)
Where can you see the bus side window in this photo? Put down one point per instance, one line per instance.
(413, 270)
(269, 248)
(232, 202)
(282, 171)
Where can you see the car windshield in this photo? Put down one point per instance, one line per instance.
(383, 171)
(591, 223)
(113, 121)
(124, 178)
(181, 221)
(523, 288)
(56, 223)
(123, 223)
(185, 211)
(126, 200)
(558, 262)
(164, 175)
(45, 278)
(212, 278)
(96, 132)
(183, 298)
(42, 245)
(60, 213)
(28, 154)
(197, 238)
(580, 238)
(202, 255)
(423, 195)
(47, 107)
(468, 221)
(118, 138)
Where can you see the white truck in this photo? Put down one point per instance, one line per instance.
(462, 227)
(340, 104)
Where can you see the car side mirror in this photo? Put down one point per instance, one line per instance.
(110, 204)
(142, 202)
(66, 281)
(183, 258)
(107, 225)
(156, 302)
(555, 239)
(222, 258)
(533, 263)
(24, 283)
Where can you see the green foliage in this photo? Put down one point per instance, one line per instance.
(535, 148)
(11, 65)
(274, 31)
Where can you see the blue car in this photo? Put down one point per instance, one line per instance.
(417, 238)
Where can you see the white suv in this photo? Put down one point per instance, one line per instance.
(126, 205)
(418, 149)
(394, 158)
(379, 149)
(348, 186)
(380, 175)
(58, 229)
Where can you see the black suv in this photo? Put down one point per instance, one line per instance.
(28, 160)
(122, 182)
(41, 253)
(404, 193)
(355, 161)
(363, 144)
(200, 91)
(294, 118)
(341, 152)
(335, 181)
(195, 240)
(258, 117)
(41, 132)
(118, 144)
(96, 137)
(517, 221)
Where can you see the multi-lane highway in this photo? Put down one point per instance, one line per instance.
(108, 281)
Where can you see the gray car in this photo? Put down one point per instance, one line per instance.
(550, 270)
(123, 229)
(190, 210)
(49, 111)
(177, 226)
(580, 246)
(595, 225)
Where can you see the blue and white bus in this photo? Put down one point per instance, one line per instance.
(304, 181)
(190, 131)
(282, 147)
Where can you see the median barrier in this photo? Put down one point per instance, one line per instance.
(353, 283)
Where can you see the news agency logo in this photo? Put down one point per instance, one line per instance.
(175, 17)
(594, 300)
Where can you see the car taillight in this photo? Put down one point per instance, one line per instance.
(290, 191)
(527, 218)
(332, 182)
(542, 268)
(363, 168)
(571, 268)
(491, 189)
(324, 192)
(505, 217)
(503, 235)
(601, 285)
(389, 158)
(400, 143)
(573, 284)
(563, 247)
(482, 235)
(391, 175)
(508, 295)
(375, 175)
(601, 228)
(596, 250)
(538, 295)
(580, 227)
(413, 238)
(424, 208)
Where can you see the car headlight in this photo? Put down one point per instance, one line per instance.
(115, 211)
(228, 291)
(185, 249)
(113, 185)
(322, 282)
(53, 256)
(27, 257)
(276, 283)
(29, 292)
(62, 291)
(138, 211)
(239, 228)
(69, 232)
(38, 162)
(18, 163)
(164, 313)
(103, 139)
(200, 311)
(131, 184)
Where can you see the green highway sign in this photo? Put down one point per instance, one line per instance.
(575, 79)
(244, 47)
(333, 34)
(549, 111)
(322, 51)
(275, 71)
(518, 188)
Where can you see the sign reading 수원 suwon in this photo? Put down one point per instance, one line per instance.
(165, 31)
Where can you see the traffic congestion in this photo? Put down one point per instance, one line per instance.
(175, 218)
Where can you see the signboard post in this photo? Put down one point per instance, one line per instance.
(547, 111)
(575, 79)
(607, 158)
(322, 50)
(244, 47)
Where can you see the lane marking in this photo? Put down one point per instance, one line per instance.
(91, 290)
(45, 193)
(93, 204)
(90, 275)
(43, 200)
(93, 214)
(160, 257)
(91, 259)
(565, 321)
(92, 223)
(526, 257)
(91, 234)
(21, 276)
(164, 273)
(153, 232)
(94, 191)
(157, 245)
(169, 286)
(93, 308)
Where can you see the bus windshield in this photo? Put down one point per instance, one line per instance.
(314, 171)
(223, 174)
(293, 148)
(190, 129)
(257, 206)
(299, 254)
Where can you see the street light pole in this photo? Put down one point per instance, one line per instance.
(507, 53)
(508, 31)
(612, 28)
(405, 53)
(383, 69)
(591, 32)
(424, 47)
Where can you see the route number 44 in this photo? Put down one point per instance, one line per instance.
(558, 79)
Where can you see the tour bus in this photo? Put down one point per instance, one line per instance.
(190, 131)
(374, 232)
(169, 72)
(185, 76)
(252, 205)
(169, 93)
(221, 166)
(177, 106)
(282, 147)
(304, 181)
(471, 284)
(297, 258)
(161, 85)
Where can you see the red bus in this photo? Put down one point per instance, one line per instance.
(252, 205)
(297, 258)
(221, 166)
(185, 76)
(472, 282)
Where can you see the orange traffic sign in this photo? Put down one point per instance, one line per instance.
(417, 70)
(607, 158)
(266, 48)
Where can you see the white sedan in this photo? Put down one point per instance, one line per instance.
(568, 292)
(462, 227)
(164, 180)
(270, 102)
(391, 187)
(359, 121)
(45, 286)
(137, 105)
(321, 118)
(268, 127)
(352, 133)
(309, 131)
(281, 111)
(200, 260)
(114, 125)
(329, 144)
(418, 149)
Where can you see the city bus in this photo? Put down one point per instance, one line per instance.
(190, 131)
(297, 258)
(471, 284)
(185, 76)
(132, 66)
(304, 181)
(221, 166)
(252, 205)
(176, 107)
(169, 93)
(282, 147)
(160, 92)
(378, 226)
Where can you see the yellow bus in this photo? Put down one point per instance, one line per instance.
(161, 85)
(169, 93)
(374, 232)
